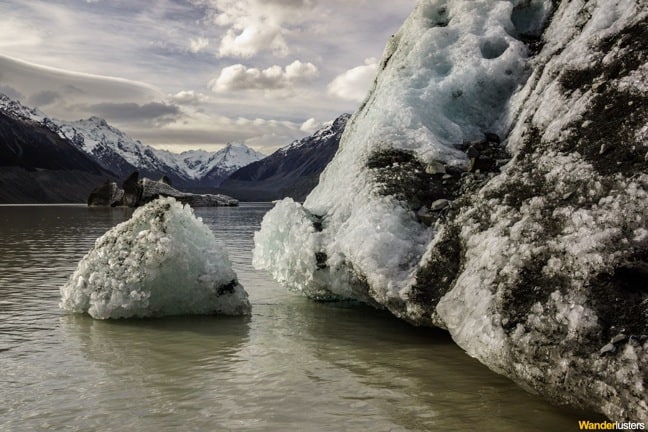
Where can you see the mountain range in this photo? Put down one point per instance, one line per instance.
(87, 152)
(117, 152)
(290, 171)
(37, 165)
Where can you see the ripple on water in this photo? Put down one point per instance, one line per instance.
(292, 365)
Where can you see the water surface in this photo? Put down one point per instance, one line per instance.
(294, 365)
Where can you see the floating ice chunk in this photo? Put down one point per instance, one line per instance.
(290, 223)
(162, 261)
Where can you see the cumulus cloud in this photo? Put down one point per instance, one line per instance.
(189, 97)
(198, 44)
(240, 77)
(354, 84)
(257, 25)
(309, 126)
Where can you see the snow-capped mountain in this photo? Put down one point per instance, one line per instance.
(121, 154)
(330, 131)
(38, 166)
(220, 165)
(292, 170)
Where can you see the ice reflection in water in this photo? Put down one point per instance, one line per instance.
(292, 365)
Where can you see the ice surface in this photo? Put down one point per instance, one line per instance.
(446, 77)
(543, 244)
(162, 261)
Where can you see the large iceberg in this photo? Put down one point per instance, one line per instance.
(495, 183)
(162, 261)
(446, 77)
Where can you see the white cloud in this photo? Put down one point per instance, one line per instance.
(309, 126)
(251, 40)
(198, 131)
(354, 84)
(15, 33)
(257, 25)
(198, 44)
(68, 94)
(189, 97)
(240, 77)
(141, 43)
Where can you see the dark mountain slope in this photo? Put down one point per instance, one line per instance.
(292, 171)
(36, 165)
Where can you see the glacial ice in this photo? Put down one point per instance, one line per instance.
(162, 261)
(550, 249)
(446, 78)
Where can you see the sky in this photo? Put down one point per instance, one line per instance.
(189, 74)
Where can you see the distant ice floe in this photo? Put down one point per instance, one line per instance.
(163, 261)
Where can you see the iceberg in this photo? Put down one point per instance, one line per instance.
(162, 261)
(445, 79)
(495, 183)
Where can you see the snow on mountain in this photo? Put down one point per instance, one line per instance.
(328, 131)
(40, 166)
(226, 161)
(292, 170)
(495, 184)
(121, 154)
(18, 110)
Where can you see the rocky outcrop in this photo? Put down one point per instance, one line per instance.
(137, 192)
(108, 194)
(532, 249)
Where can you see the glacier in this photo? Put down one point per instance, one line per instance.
(494, 183)
(162, 261)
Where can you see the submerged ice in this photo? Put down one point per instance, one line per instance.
(162, 261)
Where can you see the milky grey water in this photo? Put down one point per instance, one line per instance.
(294, 365)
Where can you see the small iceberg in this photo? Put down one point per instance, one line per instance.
(162, 261)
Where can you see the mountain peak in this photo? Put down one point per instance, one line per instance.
(98, 120)
(326, 132)
(117, 152)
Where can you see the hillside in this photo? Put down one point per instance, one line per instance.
(292, 171)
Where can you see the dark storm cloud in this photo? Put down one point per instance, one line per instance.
(43, 98)
(11, 92)
(127, 112)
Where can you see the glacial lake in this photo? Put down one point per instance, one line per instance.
(294, 365)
